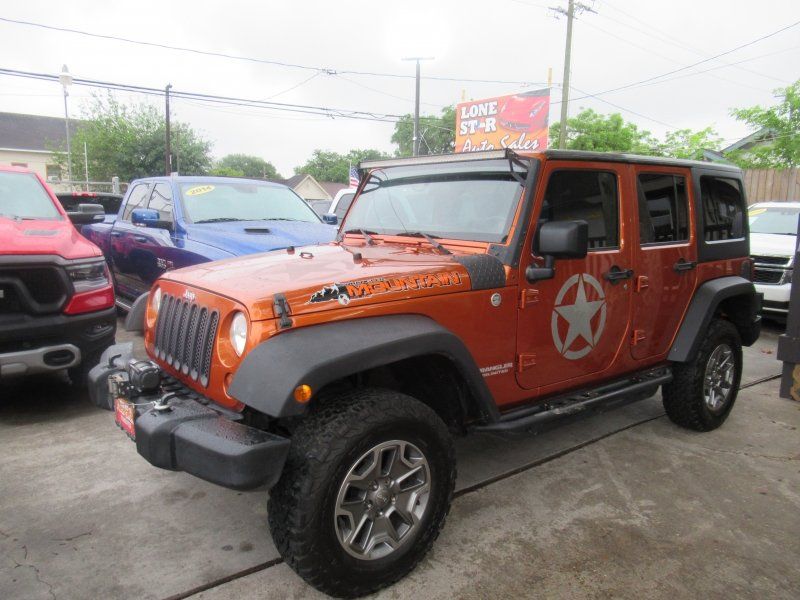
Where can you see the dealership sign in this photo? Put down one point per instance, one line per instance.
(518, 122)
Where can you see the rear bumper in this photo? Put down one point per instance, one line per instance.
(191, 435)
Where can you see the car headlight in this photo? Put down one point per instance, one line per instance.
(156, 299)
(88, 276)
(238, 333)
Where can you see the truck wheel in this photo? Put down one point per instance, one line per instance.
(702, 392)
(364, 493)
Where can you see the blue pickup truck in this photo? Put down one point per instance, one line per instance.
(166, 223)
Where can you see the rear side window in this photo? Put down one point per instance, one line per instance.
(723, 208)
(663, 212)
(161, 200)
(136, 199)
(344, 203)
(589, 196)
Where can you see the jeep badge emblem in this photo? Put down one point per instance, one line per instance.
(189, 296)
(496, 299)
(579, 311)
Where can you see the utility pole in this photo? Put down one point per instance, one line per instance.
(415, 139)
(570, 12)
(168, 153)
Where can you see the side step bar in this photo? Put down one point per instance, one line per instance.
(616, 393)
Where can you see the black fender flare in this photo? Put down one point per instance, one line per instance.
(320, 354)
(134, 320)
(704, 304)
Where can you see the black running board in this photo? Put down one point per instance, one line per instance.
(609, 395)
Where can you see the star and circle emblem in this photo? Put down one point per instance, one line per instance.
(584, 312)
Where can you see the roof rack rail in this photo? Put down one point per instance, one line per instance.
(442, 158)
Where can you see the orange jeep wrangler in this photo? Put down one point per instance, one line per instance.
(490, 291)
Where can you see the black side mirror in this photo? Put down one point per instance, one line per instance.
(87, 213)
(330, 219)
(558, 239)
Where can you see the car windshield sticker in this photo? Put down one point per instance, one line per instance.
(359, 290)
(199, 189)
(578, 310)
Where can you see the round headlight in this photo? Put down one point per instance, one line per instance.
(239, 332)
(157, 299)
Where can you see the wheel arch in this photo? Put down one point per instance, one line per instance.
(395, 351)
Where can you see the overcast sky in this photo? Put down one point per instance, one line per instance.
(625, 41)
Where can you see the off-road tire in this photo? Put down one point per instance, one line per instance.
(683, 397)
(324, 447)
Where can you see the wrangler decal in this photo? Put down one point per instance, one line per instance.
(366, 288)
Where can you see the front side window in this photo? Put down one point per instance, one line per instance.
(161, 200)
(463, 206)
(218, 202)
(136, 199)
(663, 212)
(774, 219)
(723, 208)
(23, 197)
(589, 196)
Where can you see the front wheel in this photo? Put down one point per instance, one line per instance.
(364, 493)
(702, 392)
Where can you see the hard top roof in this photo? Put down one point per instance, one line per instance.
(576, 155)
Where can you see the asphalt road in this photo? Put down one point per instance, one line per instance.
(624, 504)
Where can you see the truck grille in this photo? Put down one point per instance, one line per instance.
(767, 276)
(185, 334)
(34, 290)
(780, 261)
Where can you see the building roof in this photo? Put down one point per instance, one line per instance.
(294, 180)
(32, 132)
(749, 141)
(332, 187)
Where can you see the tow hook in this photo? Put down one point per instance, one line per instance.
(162, 404)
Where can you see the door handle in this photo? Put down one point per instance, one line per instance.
(684, 265)
(140, 238)
(616, 274)
(116, 234)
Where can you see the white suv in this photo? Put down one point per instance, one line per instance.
(773, 240)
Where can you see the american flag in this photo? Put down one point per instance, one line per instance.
(353, 177)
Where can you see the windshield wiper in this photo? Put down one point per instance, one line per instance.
(430, 238)
(365, 234)
(218, 220)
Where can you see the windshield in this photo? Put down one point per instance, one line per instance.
(23, 197)
(209, 203)
(463, 206)
(780, 220)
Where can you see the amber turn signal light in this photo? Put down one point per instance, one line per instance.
(302, 393)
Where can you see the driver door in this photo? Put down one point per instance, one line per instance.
(574, 325)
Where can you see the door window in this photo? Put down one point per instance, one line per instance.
(723, 208)
(136, 199)
(663, 212)
(161, 200)
(344, 204)
(589, 196)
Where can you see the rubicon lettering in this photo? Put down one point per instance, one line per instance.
(344, 293)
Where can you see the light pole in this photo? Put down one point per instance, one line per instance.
(66, 80)
(415, 139)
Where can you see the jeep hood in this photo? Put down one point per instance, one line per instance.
(45, 237)
(333, 276)
(248, 237)
(772, 244)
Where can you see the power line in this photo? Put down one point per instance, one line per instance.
(277, 63)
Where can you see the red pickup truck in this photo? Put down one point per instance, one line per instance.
(56, 298)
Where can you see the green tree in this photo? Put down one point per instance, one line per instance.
(437, 134)
(589, 130)
(244, 165)
(128, 141)
(781, 148)
(685, 143)
(325, 165)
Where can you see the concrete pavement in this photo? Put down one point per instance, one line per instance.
(650, 511)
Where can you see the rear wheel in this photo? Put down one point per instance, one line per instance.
(364, 493)
(702, 392)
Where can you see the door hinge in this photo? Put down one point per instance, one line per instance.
(528, 297)
(642, 283)
(282, 310)
(638, 336)
(525, 362)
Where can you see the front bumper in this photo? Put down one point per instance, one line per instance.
(193, 436)
(39, 360)
(776, 297)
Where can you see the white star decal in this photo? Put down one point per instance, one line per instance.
(579, 316)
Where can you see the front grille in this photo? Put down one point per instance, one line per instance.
(780, 261)
(185, 334)
(33, 289)
(769, 277)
